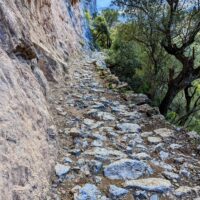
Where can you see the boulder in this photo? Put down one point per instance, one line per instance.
(150, 184)
(126, 169)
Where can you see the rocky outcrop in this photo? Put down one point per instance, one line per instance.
(37, 38)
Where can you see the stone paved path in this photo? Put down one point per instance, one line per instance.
(114, 146)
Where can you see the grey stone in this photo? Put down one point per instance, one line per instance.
(95, 166)
(117, 192)
(126, 169)
(193, 135)
(105, 116)
(164, 155)
(154, 140)
(141, 195)
(102, 153)
(75, 152)
(88, 122)
(163, 165)
(88, 192)
(154, 197)
(171, 175)
(141, 147)
(183, 190)
(61, 169)
(175, 146)
(150, 184)
(97, 136)
(184, 172)
(143, 156)
(164, 132)
(131, 115)
(98, 179)
(138, 99)
(146, 134)
(97, 143)
(85, 144)
(75, 132)
(129, 127)
(85, 169)
(67, 160)
(159, 147)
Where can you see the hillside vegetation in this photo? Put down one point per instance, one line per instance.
(154, 47)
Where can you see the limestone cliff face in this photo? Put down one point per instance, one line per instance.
(36, 40)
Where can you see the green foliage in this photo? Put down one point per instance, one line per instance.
(111, 16)
(138, 55)
(101, 27)
(122, 59)
(88, 16)
(100, 32)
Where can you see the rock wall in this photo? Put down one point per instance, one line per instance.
(37, 38)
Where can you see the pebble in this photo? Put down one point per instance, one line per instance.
(61, 169)
(164, 155)
(171, 175)
(97, 143)
(154, 197)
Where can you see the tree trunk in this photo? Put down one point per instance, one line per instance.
(169, 97)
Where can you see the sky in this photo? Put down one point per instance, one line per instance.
(103, 4)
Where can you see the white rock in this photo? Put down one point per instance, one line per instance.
(146, 134)
(183, 190)
(171, 175)
(129, 127)
(193, 135)
(154, 140)
(164, 155)
(88, 122)
(143, 156)
(175, 146)
(105, 116)
(61, 169)
(97, 143)
(164, 132)
(150, 184)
